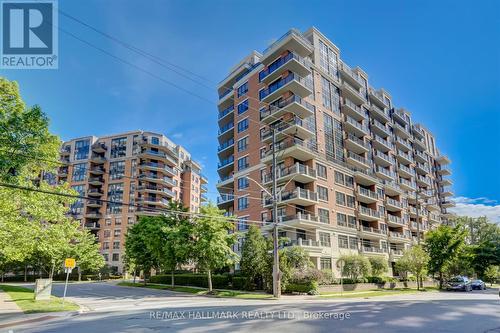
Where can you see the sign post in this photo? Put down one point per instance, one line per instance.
(69, 264)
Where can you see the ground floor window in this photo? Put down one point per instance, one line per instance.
(326, 263)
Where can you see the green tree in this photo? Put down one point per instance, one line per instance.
(443, 245)
(253, 256)
(415, 260)
(85, 250)
(492, 274)
(213, 242)
(379, 265)
(355, 266)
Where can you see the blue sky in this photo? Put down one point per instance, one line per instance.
(438, 59)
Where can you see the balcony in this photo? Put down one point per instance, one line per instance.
(405, 171)
(97, 159)
(62, 172)
(309, 245)
(391, 188)
(402, 131)
(395, 221)
(381, 114)
(443, 160)
(445, 192)
(93, 215)
(65, 151)
(158, 155)
(94, 203)
(378, 98)
(373, 250)
(413, 212)
(434, 218)
(418, 132)
(419, 144)
(403, 157)
(293, 104)
(445, 182)
(225, 113)
(423, 181)
(443, 170)
(421, 157)
(298, 149)
(382, 159)
(157, 190)
(381, 144)
(226, 131)
(159, 167)
(407, 184)
(300, 128)
(365, 177)
(225, 163)
(226, 181)
(355, 127)
(225, 199)
(384, 173)
(95, 192)
(92, 225)
(432, 205)
(352, 110)
(299, 172)
(97, 170)
(356, 145)
(352, 93)
(403, 144)
(290, 62)
(379, 128)
(226, 98)
(422, 168)
(97, 181)
(400, 115)
(298, 196)
(368, 214)
(99, 147)
(300, 220)
(226, 147)
(293, 41)
(349, 75)
(358, 161)
(398, 236)
(293, 82)
(393, 205)
(366, 196)
(372, 232)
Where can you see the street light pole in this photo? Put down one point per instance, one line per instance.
(276, 265)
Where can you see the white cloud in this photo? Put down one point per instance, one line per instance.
(475, 207)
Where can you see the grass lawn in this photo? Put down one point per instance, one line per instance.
(375, 293)
(25, 299)
(198, 291)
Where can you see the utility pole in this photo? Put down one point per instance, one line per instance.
(276, 265)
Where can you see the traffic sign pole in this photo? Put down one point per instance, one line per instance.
(68, 270)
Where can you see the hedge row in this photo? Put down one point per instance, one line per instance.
(194, 280)
(310, 288)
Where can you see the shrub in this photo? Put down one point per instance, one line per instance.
(195, 280)
(327, 277)
(310, 288)
(355, 266)
(376, 279)
(379, 265)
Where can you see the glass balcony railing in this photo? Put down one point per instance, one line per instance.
(281, 83)
(276, 106)
(226, 161)
(226, 128)
(226, 144)
(225, 112)
(278, 63)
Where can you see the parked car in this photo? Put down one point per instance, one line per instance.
(459, 283)
(478, 284)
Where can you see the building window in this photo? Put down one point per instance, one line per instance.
(116, 170)
(339, 178)
(116, 257)
(77, 207)
(116, 245)
(325, 263)
(242, 203)
(118, 221)
(341, 220)
(243, 183)
(117, 232)
(243, 107)
(334, 148)
(105, 256)
(243, 223)
(243, 89)
(107, 221)
(155, 140)
(322, 193)
(353, 243)
(349, 181)
(115, 194)
(321, 171)
(326, 94)
(343, 242)
(324, 239)
(119, 147)
(351, 201)
(351, 220)
(105, 246)
(340, 198)
(107, 233)
(324, 215)
(82, 148)
(130, 220)
(79, 172)
(243, 163)
(243, 125)
(243, 144)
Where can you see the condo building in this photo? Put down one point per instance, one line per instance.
(355, 173)
(143, 170)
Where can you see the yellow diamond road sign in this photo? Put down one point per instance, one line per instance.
(69, 263)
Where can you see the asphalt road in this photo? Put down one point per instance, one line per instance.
(111, 308)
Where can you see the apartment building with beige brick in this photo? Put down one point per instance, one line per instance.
(351, 165)
(143, 170)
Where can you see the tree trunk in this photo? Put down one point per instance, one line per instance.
(25, 273)
(79, 274)
(52, 270)
(2, 276)
(172, 279)
(440, 280)
(418, 282)
(134, 275)
(209, 281)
